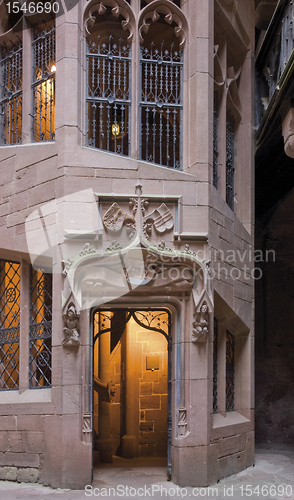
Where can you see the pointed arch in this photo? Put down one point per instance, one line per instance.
(118, 8)
(172, 14)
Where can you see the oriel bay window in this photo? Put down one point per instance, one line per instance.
(151, 96)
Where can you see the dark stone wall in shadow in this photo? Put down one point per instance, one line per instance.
(275, 324)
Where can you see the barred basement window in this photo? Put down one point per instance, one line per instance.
(161, 100)
(215, 353)
(9, 324)
(40, 329)
(44, 82)
(230, 371)
(11, 95)
(109, 94)
(230, 160)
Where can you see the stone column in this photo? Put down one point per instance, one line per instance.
(130, 441)
(104, 442)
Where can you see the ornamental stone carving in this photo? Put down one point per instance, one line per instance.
(182, 424)
(87, 428)
(172, 15)
(118, 8)
(71, 328)
(200, 324)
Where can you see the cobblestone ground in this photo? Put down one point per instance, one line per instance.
(271, 478)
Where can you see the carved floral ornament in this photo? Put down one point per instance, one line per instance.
(150, 14)
(95, 279)
(118, 8)
(171, 13)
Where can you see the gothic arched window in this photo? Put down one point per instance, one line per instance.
(161, 96)
(43, 86)
(108, 86)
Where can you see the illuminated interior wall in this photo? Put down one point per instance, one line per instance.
(44, 106)
(152, 386)
(153, 393)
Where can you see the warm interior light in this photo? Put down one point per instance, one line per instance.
(115, 129)
(53, 68)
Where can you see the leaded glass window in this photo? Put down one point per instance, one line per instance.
(230, 371)
(11, 93)
(9, 324)
(109, 94)
(230, 163)
(161, 101)
(215, 143)
(44, 68)
(40, 328)
(215, 349)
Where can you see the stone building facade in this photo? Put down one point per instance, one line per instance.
(126, 257)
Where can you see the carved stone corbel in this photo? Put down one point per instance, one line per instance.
(201, 324)
(71, 330)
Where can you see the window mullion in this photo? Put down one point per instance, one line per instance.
(24, 325)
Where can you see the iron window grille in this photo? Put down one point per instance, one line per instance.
(230, 163)
(109, 95)
(9, 324)
(43, 86)
(161, 105)
(40, 328)
(215, 353)
(230, 371)
(215, 148)
(11, 93)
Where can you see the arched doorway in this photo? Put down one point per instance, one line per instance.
(132, 383)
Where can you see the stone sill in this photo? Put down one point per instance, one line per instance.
(233, 423)
(28, 396)
(231, 418)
